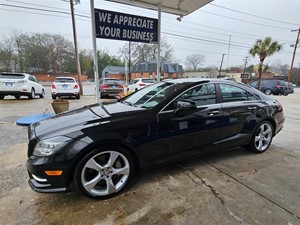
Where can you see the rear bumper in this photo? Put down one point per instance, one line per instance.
(14, 93)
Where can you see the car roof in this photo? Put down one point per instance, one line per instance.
(65, 78)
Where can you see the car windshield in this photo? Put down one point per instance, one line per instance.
(112, 81)
(64, 80)
(12, 76)
(150, 96)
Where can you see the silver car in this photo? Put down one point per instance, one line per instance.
(20, 84)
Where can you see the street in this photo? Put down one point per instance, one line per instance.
(230, 187)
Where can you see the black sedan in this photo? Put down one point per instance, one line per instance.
(99, 147)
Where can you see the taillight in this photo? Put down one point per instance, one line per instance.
(76, 86)
(104, 86)
(53, 86)
(121, 86)
(142, 85)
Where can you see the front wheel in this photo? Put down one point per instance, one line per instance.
(103, 172)
(42, 95)
(262, 137)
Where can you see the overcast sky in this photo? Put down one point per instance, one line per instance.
(221, 27)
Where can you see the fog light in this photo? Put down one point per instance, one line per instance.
(53, 172)
(39, 179)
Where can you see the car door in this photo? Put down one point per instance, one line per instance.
(240, 109)
(35, 84)
(191, 130)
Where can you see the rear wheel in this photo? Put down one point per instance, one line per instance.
(32, 94)
(103, 172)
(17, 96)
(53, 97)
(1, 96)
(268, 91)
(77, 96)
(262, 137)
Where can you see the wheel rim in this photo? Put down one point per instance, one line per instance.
(105, 173)
(268, 92)
(263, 137)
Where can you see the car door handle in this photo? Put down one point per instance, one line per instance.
(214, 112)
(252, 108)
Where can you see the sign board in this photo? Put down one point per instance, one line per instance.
(126, 27)
(245, 76)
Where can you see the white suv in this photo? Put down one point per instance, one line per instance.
(20, 84)
(65, 86)
(139, 83)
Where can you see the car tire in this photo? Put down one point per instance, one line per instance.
(42, 95)
(136, 89)
(17, 96)
(262, 137)
(268, 91)
(32, 94)
(77, 96)
(53, 97)
(103, 172)
(2, 96)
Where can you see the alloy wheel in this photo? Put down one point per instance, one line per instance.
(263, 137)
(105, 173)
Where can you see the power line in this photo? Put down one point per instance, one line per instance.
(245, 21)
(256, 16)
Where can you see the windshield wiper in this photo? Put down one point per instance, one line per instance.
(129, 103)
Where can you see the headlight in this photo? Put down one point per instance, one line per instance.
(50, 146)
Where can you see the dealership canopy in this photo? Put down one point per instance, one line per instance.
(178, 7)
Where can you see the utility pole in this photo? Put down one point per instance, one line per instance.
(294, 53)
(246, 60)
(75, 45)
(221, 64)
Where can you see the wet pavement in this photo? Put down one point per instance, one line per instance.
(231, 187)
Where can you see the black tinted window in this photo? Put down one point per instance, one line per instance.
(11, 76)
(64, 80)
(232, 94)
(202, 95)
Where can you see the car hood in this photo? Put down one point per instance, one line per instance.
(71, 122)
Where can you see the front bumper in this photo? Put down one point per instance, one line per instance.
(39, 181)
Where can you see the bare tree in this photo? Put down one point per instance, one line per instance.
(193, 61)
(142, 52)
(7, 54)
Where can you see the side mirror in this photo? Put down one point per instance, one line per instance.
(184, 106)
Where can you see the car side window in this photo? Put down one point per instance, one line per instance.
(202, 95)
(231, 93)
(31, 78)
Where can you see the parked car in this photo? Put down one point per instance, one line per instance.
(110, 87)
(102, 146)
(65, 87)
(290, 89)
(275, 87)
(139, 83)
(20, 84)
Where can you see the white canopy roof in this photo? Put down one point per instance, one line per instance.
(178, 7)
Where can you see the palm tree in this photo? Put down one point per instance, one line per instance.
(264, 48)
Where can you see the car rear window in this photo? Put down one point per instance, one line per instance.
(64, 80)
(113, 81)
(148, 80)
(12, 76)
(282, 83)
